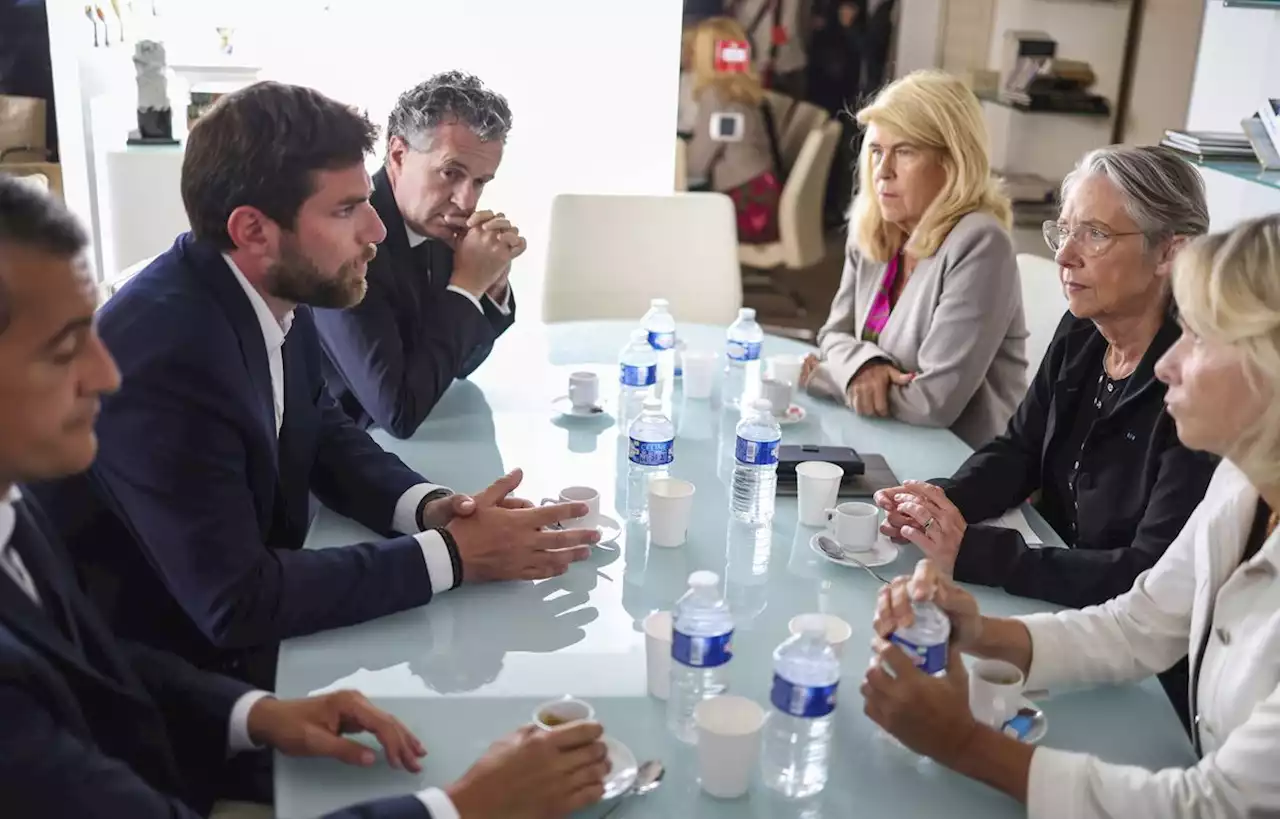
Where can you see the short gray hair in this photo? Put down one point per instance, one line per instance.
(1163, 193)
(448, 97)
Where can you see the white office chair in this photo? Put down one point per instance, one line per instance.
(1042, 303)
(609, 255)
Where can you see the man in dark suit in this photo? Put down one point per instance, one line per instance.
(99, 729)
(438, 292)
(188, 529)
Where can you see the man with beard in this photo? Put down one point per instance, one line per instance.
(187, 531)
(438, 293)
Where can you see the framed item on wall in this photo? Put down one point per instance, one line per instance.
(1253, 4)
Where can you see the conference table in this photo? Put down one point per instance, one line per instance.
(472, 665)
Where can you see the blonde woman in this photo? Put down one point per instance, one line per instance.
(1213, 595)
(741, 164)
(927, 325)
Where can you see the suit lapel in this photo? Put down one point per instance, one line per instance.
(396, 245)
(206, 262)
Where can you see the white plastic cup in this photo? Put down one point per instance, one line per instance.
(818, 485)
(670, 507)
(995, 691)
(728, 744)
(657, 653)
(837, 631)
(698, 373)
(584, 390)
(785, 368)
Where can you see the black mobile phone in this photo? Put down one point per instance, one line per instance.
(789, 455)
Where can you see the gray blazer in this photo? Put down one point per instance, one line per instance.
(958, 324)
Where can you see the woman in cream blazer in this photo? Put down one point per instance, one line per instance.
(1214, 595)
(927, 326)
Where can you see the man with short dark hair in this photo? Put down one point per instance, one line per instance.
(99, 729)
(438, 291)
(188, 529)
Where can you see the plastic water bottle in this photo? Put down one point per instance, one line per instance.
(701, 647)
(660, 330)
(755, 467)
(637, 375)
(925, 640)
(797, 736)
(742, 373)
(652, 451)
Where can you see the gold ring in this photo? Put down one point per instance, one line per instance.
(928, 523)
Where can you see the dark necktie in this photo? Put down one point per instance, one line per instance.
(422, 257)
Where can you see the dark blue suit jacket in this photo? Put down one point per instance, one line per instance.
(187, 530)
(390, 358)
(98, 729)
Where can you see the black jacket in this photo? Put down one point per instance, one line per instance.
(390, 358)
(100, 729)
(1135, 488)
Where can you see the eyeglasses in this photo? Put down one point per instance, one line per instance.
(1092, 241)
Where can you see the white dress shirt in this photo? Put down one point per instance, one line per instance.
(1198, 584)
(405, 519)
(416, 239)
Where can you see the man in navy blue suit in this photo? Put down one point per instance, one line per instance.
(188, 529)
(438, 288)
(96, 728)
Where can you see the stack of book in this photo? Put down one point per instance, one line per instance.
(1208, 145)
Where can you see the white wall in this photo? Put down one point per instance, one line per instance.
(1238, 65)
(592, 84)
(919, 35)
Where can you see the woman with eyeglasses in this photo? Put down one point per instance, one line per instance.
(1214, 594)
(1091, 443)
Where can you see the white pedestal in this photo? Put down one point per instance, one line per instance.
(140, 203)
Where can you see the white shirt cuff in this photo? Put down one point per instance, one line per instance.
(435, 553)
(405, 519)
(504, 307)
(238, 730)
(438, 804)
(470, 296)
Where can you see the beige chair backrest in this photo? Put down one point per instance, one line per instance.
(805, 117)
(800, 208)
(682, 165)
(609, 255)
(1043, 304)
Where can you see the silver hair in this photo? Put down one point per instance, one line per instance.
(1163, 193)
(448, 97)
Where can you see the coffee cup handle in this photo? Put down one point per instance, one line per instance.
(548, 501)
(831, 515)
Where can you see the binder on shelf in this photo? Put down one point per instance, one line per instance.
(1263, 145)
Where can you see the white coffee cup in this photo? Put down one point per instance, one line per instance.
(855, 525)
(995, 691)
(670, 507)
(584, 390)
(579, 494)
(657, 653)
(698, 372)
(838, 631)
(778, 394)
(728, 744)
(562, 711)
(785, 368)
(818, 487)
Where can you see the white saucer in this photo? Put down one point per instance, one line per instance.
(623, 770)
(795, 414)
(565, 409)
(1039, 724)
(608, 528)
(883, 553)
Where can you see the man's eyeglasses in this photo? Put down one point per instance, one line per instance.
(1092, 241)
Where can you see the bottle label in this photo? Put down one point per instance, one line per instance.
(744, 350)
(701, 652)
(662, 341)
(757, 453)
(652, 453)
(639, 376)
(929, 659)
(803, 700)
